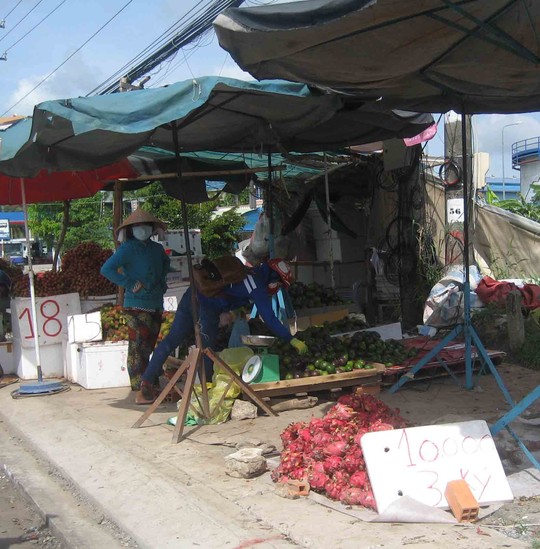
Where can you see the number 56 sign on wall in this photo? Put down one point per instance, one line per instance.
(52, 313)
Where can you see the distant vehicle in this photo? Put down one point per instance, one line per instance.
(17, 252)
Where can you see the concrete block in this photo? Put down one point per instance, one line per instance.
(246, 463)
(242, 409)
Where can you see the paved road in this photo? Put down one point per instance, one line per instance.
(20, 526)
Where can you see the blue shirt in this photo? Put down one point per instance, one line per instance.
(136, 261)
(253, 289)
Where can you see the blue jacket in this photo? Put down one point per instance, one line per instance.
(253, 289)
(145, 262)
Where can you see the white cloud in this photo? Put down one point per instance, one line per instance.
(74, 79)
(232, 70)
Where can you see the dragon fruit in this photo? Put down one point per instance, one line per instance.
(352, 496)
(337, 448)
(327, 451)
(358, 479)
(332, 464)
(368, 500)
(333, 489)
(317, 480)
(353, 461)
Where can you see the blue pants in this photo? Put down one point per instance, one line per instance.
(181, 328)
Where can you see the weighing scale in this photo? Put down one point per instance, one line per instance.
(264, 366)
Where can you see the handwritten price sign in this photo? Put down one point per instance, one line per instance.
(52, 315)
(420, 461)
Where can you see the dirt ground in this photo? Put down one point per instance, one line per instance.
(96, 435)
(20, 525)
(519, 519)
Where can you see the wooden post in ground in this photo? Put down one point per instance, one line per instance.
(515, 321)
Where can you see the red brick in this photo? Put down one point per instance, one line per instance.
(298, 487)
(461, 501)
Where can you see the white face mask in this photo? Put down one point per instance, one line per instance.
(142, 232)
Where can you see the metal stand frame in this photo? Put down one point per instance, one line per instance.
(468, 330)
(517, 410)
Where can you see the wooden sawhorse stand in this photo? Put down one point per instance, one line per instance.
(190, 365)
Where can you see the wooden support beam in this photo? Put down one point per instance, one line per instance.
(213, 173)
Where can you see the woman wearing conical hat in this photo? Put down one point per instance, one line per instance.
(140, 265)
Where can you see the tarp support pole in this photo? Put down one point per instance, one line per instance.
(194, 301)
(271, 250)
(32, 286)
(329, 222)
(469, 333)
(118, 201)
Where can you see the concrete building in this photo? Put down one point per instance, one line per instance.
(526, 159)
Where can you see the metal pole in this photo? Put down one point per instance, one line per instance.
(270, 207)
(466, 283)
(329, 222)
(502, 160)
(32, 287)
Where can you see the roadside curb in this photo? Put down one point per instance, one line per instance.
(71, 519)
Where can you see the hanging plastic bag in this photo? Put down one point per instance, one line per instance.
(259, 240)
(240, 328)
(445, 303)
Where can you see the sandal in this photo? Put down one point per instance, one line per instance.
(146, 394)
(139, 399)
(147, 391)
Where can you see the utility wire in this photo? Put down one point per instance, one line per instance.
(66, 60)
(164, 36)
(193, 30)
(20, 20)
(35, 26)
(12, 10)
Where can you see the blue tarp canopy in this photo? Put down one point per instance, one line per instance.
(251, 218)
(209, 113)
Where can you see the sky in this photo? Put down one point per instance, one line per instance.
(75, 45)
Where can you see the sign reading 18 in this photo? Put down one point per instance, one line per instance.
(49, 310)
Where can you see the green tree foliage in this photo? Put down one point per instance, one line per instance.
(91, 220)
(88, 221)
(218, 233)
(519, 206)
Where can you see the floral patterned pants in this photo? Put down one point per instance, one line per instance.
(143, 331)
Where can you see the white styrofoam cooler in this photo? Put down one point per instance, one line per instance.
(51, 358)
(98, 365)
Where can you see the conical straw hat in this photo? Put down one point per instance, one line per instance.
(142, 216)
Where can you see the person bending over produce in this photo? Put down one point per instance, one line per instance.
(259, 285)
(140, 265)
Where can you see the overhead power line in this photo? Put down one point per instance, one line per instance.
(68, 58)
(20, 20)
(193, 29)
(11, 10)
(34, 27)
